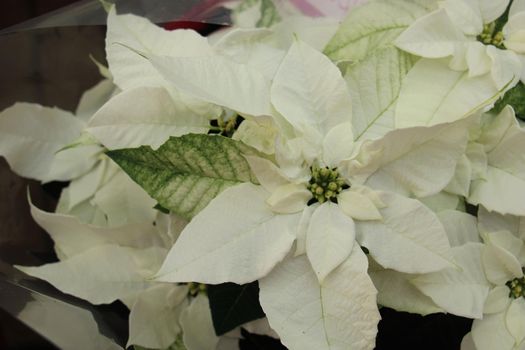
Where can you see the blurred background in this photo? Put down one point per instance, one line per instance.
(50, 67)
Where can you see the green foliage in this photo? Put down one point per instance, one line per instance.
(233, 305)
(187, 172)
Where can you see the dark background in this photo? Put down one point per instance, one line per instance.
(50, 67)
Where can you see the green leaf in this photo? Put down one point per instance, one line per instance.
(373, 26)
(233, 305)
(187, 172)
(514, 97)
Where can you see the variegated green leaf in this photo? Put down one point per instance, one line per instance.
(187, 172)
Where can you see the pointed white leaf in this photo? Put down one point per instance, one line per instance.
(338, 144)
(492, 222)
(497, 301)
(460, 183)
(506, 67)
(515, 319)
(500, 265)
(101, 274)
(288, 199)
(514, 32)
(72, 237)
(403, 244)
(432, 93)
(358, 206)
(259, 133)
(503, 187)
(461, 227)
(372, 27)
(374, 85)
(492, 9)
(131, 70)
(197, 325)
(143, 116)
(491, 333)
(309, 91)
(431, 36)
(461, 291)
(267, 173)
(329, 239)
(302, 229)
(218, 80)
(395, 291)
(236, 238)
(124, 202)
(94, 98)
(465, 14)
(419, 161)
(154, 317)
(30, 135)
(441, 201)
(340, 314)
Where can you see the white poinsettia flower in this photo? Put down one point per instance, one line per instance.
(503, 261)
(324, 192)
(467, 31)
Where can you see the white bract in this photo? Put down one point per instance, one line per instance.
(469, 60)
(503, 257)
(324, 192)
(465, 31)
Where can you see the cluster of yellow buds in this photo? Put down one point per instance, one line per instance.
(489, 37)
(325, 184)
(517, 287)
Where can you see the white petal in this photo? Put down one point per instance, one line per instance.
(461, 227)
(478, 61)
(516, 7)
(401, 243)
(124, 202)
(478, 160)
(500, 265)
(431, 36)
(309, 90)
(338, 144)
(514, 32)
(419, 161)
(374, 85)
(218, 80)
(131, 70)
(154, 317)
(267, 173)
(497, 301)
(492, 222)
(506, 67)
(302, 228)
(395, 291)
(506, 241)
(358, 206)
(243, 243)
(30, 135)
(260, 133)
(338, 315)
(288, 199)
(71, 237)
(492, 9)
(515, 319)
(329, 239)
(465, 14)
(441, 201)
(197, 326)
(94, 98)
(491, 333)
(102, 274)
(143, 116)
(460, 183)
(468, 343)
(461, 291)
(432, 93)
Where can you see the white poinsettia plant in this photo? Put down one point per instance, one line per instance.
(290, 176)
